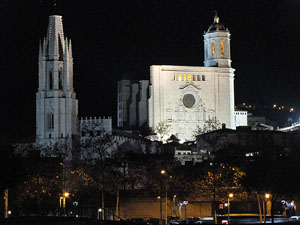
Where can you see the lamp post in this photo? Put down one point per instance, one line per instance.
(62, 201)
(229, 196)
(267, 196)
(163, 172)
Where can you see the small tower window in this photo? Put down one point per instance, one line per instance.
(194, 78)
(50, 121)
(213, 48)
(222, 48)
(50, 80)
(60, 81)
(203, 77)
(175, 77)
(179, 77)
(189, 77)
(184, 77)
(198, 78)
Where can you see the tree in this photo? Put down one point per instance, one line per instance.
(162, 130)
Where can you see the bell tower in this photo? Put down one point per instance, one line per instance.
(56, 103)
(217, 45)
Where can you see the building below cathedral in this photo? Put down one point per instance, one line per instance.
(183, 98)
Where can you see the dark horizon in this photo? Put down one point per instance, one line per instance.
(116, 40)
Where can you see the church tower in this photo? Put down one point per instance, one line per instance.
(217, 45)
(56, 103)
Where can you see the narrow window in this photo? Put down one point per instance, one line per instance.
(221, 48)
(198, 77)
(194, 78)
(50, 80)
(203, 77)
(49, 136)
(175, 77)
(213, 48)
(50, 121)
(179, 77)
(60, 81)
(189, 77)
(184, 77)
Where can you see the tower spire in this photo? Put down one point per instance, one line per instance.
(216, 18)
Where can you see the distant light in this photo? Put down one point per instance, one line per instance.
(9, 212)
(230, 195)
(291, 109)
(226, 204)
(158, 197)
(282, 107)
(162, 171)
(66, 194)
(244, 103)
(100, 210)
(274, 106)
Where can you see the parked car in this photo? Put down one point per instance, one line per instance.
(138, 221)
(294, 219)
(153, 221)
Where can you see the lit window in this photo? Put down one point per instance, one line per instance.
(189, 77)
(175, 77)
(221, 48)
(213, 48)
(179, 77)
(184, 77)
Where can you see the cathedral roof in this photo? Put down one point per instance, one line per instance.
(216, 26)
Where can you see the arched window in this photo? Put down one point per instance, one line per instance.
(213, 48)
(222, 48)
(50, 121)
(60, 81)
(179, 77)
(50, 80)
(189, 77)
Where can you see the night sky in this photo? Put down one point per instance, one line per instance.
(121, 39)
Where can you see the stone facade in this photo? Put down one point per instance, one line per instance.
(184, 97)
(132, 104)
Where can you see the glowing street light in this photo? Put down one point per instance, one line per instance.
(267, 195)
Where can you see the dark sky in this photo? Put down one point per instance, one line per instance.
(121, 39)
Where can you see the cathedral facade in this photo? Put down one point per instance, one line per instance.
(184, 97)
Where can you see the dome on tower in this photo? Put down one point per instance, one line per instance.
(216, 26)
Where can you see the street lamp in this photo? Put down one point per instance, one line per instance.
(267, 196)
(163, 172)
(63, 200)
(229, 196)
